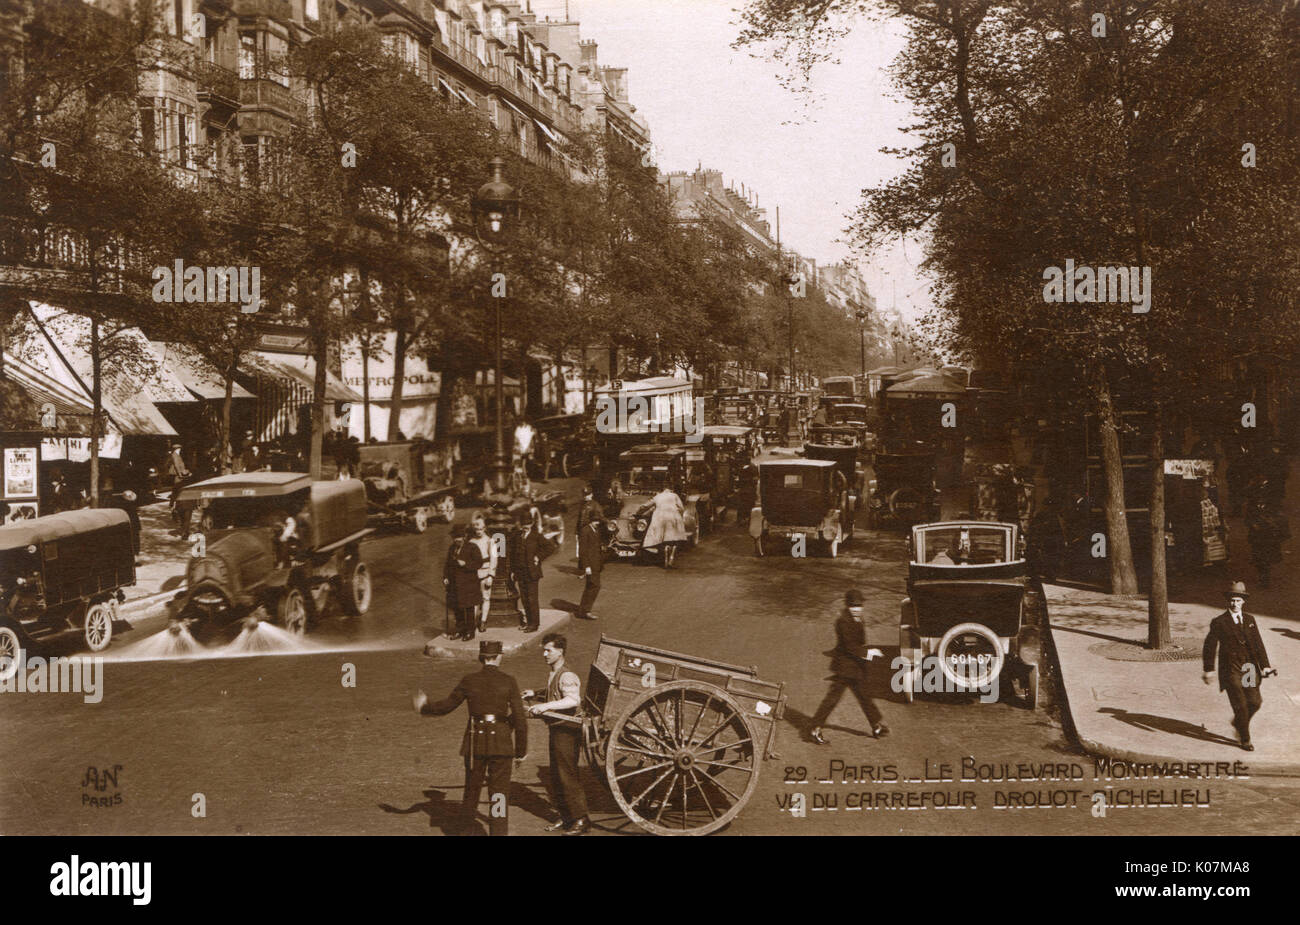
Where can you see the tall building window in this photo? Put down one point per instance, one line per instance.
(277, 52)
(311, 10)
(247, 57)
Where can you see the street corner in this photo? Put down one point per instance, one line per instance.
(512, 638)
(1157, 712)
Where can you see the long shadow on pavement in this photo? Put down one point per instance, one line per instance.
(1150, 722)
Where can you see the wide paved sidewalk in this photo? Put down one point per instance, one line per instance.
(1161, 710)
(160, 567)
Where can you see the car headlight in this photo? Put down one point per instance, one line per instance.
(642, 525)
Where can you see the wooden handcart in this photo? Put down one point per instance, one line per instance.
(677, 737)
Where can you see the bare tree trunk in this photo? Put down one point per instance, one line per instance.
(399, 378)
(227, 452)
(1158, 636)
(320, 354)
(1119, 551)
(96, 410)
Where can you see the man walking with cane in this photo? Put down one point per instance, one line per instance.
(1243, 663)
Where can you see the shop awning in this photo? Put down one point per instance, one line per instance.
(466, 97)
(301, 370)
(127, 393)
(185, 365)
(542, 126)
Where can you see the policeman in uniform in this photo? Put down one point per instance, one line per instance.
(495, 710)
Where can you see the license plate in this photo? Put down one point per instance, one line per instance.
(626, 553)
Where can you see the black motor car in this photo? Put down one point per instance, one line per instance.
(972, 611)
(63, 574)
(799, 497)
(247, 568)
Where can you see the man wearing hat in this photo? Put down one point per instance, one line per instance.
(495, 711)
(1243, 663)
(849, 660)
(590, 510)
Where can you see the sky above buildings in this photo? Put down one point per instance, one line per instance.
(710, 105)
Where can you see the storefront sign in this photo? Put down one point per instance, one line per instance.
(1190, 468)
(418, 381)
(278, 338)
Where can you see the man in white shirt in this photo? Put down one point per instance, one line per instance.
(563, 696)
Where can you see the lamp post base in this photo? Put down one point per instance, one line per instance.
(503, 603)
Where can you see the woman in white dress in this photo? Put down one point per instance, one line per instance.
(479, 537)
(667, 525)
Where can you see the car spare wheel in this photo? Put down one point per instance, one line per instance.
(98, 626)
(292, 612)
(905, 504)
(971, 656)
(10, 652)
(356, 587)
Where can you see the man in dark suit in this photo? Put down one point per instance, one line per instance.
(526, 568)
(849, 660)
(589, 511)
(1243, 663)
(591, 559)
(495, 709)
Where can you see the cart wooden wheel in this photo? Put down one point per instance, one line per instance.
(291, 611)
(564, 465)
(447, 508)
(98, 627)
(681, 759)
(420, 519)
(10, 649)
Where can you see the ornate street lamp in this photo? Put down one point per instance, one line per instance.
(496, 218)
(863, 315)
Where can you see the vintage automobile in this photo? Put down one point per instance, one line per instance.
(62, 574)
(643, 472)
(565, 446)
(903, 491)
(971, 610)
(851, 414)
(700, 483)
(843, 387)
(801, 497)
(247, 568)
(729, 449)
(840, 444)
(408, 483)
(740, 410)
